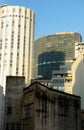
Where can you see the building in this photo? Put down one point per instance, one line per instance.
(68, 82)
(43, 81)
(82, 119)
(58, 79)
(78, 77)
(13, 102)
(1, 108)
(16, 42)
(54, 50)
(79, 47)
(61, 80)
(49, 109)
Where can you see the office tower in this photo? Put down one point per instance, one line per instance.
(53, 51)
(16, 42)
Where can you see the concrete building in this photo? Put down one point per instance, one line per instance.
(54, 50)
(68, 82)
(1, 108)
(78, 77)
(49, 109)
(43, 81)
(16, 42)
(82, 119)
(13, 102)
(61, 80)
(58, 79)
(79, 47)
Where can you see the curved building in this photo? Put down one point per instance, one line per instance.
(52, 51)
(16, 42)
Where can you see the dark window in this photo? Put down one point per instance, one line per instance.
(18, 126)
(12, 125)
(9, 110)
(7, 126)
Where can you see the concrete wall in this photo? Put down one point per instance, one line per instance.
(13, 102)
(50, 109)
(82, 119)
(78, 78)
(1, 108)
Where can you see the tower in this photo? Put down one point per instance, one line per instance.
(54, 51)
(16, 42)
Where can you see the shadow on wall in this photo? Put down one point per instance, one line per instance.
(78, 78)
(49, 61)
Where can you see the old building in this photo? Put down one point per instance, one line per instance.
(48, 109)
(82, 119)
(1, 108)
(13, 103)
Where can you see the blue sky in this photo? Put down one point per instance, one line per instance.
(52, 16)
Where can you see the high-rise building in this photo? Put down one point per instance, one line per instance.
(52, 51)
(16, 42)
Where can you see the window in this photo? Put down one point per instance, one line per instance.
(19, 25)
(6, 39)
(7, 126)
(20, 10)
(6, 25)
(13, 9)
(2, 11)
(18, 126)
(13, 21)
(9, 110)
(12, 125)
(10, 65)
(11, 61)
(2, 26)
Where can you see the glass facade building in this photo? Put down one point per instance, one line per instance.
(52, 51)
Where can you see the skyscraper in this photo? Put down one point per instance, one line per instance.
(16, 42)
(52, 51)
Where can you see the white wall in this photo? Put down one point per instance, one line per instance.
(16, 38)
(78, 78)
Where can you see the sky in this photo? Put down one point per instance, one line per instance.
(52, 16)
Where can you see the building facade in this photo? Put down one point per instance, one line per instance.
(1, 108)
(78, 78)
(16, 42)
(54, 50)
(49, 109)
(79, 47)
(13, 102)
(58, 80)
